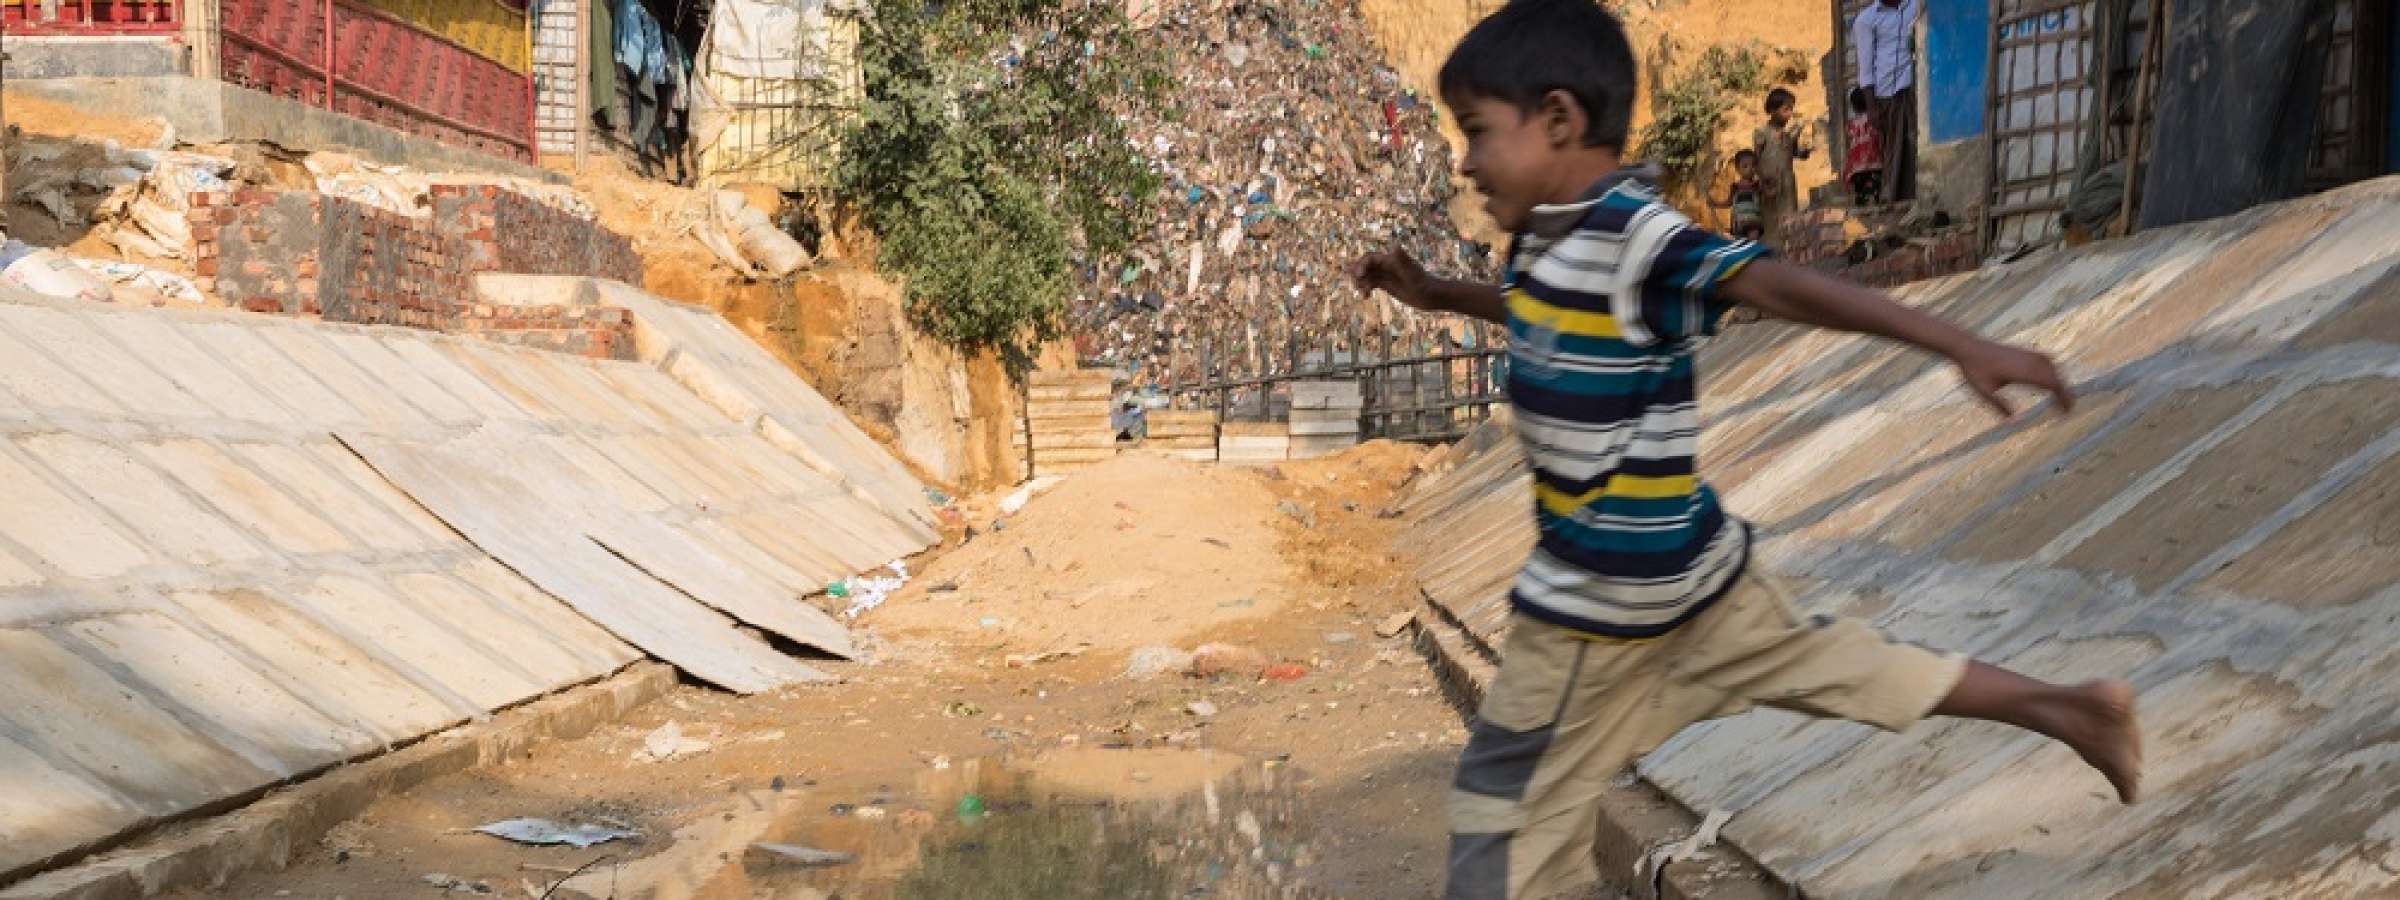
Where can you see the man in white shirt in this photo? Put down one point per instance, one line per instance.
(1887, 68)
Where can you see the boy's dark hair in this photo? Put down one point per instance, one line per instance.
(1532, 47)
(1780, 98)
(1740, 155)
(1858, 99)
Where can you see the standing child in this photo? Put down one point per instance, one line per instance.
(1781, 140)
(1864, 167)
(1639, 612)
(1745, 197)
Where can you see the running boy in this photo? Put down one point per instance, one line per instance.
(1638, 614)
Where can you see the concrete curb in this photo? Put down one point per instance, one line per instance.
(263, 835)
(1634, 815)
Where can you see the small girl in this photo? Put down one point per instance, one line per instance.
(1864, 167)
(1746, 197)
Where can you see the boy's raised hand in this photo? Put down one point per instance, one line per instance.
(1989, 367)
(1393, 272)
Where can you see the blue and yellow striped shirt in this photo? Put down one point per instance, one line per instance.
(1606, 299)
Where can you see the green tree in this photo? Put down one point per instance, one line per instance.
(989, 155)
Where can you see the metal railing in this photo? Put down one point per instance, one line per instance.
(1438, 397)
(48, 18)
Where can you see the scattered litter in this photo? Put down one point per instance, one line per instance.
(808, 857)
(1285, 672)
(1239, 603)
(744, 238)
(144, 281)
(940, 763)
(1016, 500)
(944, 587)
(970, 807)
(1021, 660)
(871, 812)
(540, 832)
(1151, 662)
(868, 593)
(668, 742)
(1339, 637)
(1227, 659)
(454, 883)
(1301, 514)
(988, 621)
(1201, 708)
(1247, 824)
(1654, 864)
(962, 709)
(1397, 623)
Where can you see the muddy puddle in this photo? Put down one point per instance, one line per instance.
(1065, 825)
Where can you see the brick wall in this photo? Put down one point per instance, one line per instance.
(541, 239)
(1933, 256)
(304, 253)
(603, 332)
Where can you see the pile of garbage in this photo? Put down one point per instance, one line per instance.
(1291, 150)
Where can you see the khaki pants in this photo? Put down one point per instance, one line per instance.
(1569, 711)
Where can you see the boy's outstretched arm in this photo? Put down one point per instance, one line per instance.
(1395, 273)
(1813, 298)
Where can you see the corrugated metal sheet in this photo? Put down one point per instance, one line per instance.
(205, 591)
(2212, 522)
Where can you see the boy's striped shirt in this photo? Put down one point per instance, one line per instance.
(1606, 298)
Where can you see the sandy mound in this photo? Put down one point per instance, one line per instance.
(1142, 550)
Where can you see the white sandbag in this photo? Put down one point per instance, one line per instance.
(54, 274)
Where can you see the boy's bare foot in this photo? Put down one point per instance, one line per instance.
(2094, 718)
(2097, 719)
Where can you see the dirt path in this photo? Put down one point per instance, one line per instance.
(1322, 778)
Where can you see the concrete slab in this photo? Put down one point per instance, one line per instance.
(271, 372)
(219, 694)
(129, 381)
(191, 367)
(230, 486)
(354, 514)
(48, 812)
(35, 382)
(144, 499)
(490, 509)
(326, 670)
(63, 534)
(79, 719)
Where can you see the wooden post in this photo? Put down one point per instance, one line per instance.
(583, 99)
(2154, 46)
(200, 34)
(328, 7)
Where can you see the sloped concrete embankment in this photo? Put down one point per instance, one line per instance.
(2215, 520)
(238, 549)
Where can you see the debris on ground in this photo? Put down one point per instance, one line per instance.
(1151, 662)
(542, 832)
(1021, 660)
(1398, 622)
(807, 857)
(1227, 659)
(1015, 502)
(867, 593)
(1200, 708)
(1284, 672)
(668, 742)
(50, 274)
(1654, 864)
(449, 883)
(1298, 513)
